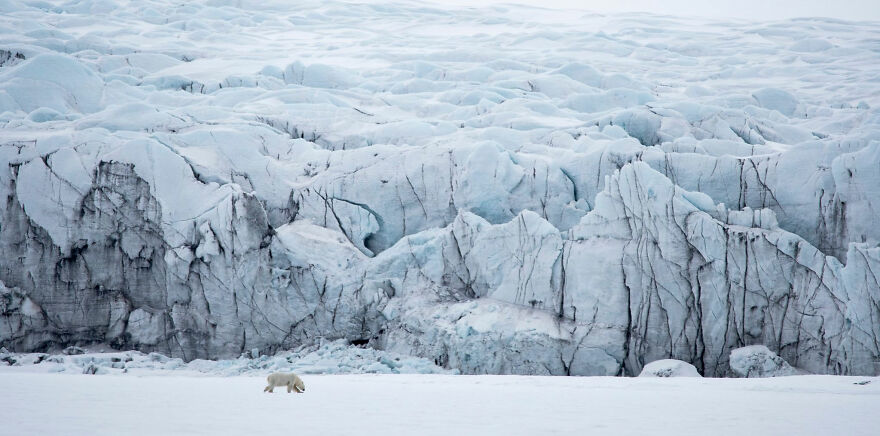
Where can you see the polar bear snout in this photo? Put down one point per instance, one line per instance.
(290, 380)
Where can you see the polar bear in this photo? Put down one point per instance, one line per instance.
(291, 380)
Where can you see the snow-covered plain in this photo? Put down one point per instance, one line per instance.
(350, 390)
(499, 190)
(439, 405)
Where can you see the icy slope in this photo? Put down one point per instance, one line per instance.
(498, 190)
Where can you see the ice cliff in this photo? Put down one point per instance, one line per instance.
(498, 190)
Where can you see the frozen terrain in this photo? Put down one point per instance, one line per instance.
(335, 357)
(439, 405)
(500, 190)
(348, 391)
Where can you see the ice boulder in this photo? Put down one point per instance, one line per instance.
(73, 351)
(757, 361)
(669, 368)
(777, 99)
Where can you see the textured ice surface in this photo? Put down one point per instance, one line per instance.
(496, 190)
(758, 361)
(336, 357)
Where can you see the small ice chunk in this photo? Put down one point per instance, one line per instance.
(669, 368)
(73, 351)
(757, 361)
(30, 308)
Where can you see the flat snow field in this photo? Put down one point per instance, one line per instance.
(54, 404)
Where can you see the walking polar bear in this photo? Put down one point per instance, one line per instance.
(291, 380)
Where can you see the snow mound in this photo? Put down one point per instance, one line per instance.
(758, 361)
(57, 82)
(811, 45)
(776, 99)
(669, 368)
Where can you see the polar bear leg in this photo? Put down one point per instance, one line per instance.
(289, 386)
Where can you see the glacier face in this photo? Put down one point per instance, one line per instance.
(499, 190)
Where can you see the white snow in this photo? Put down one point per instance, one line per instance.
(438, 405)
(328, 357)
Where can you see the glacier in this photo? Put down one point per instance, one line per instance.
(497, 190)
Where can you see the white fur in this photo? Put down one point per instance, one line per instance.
(291, 380)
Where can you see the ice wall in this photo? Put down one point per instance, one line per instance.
(513, 190)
